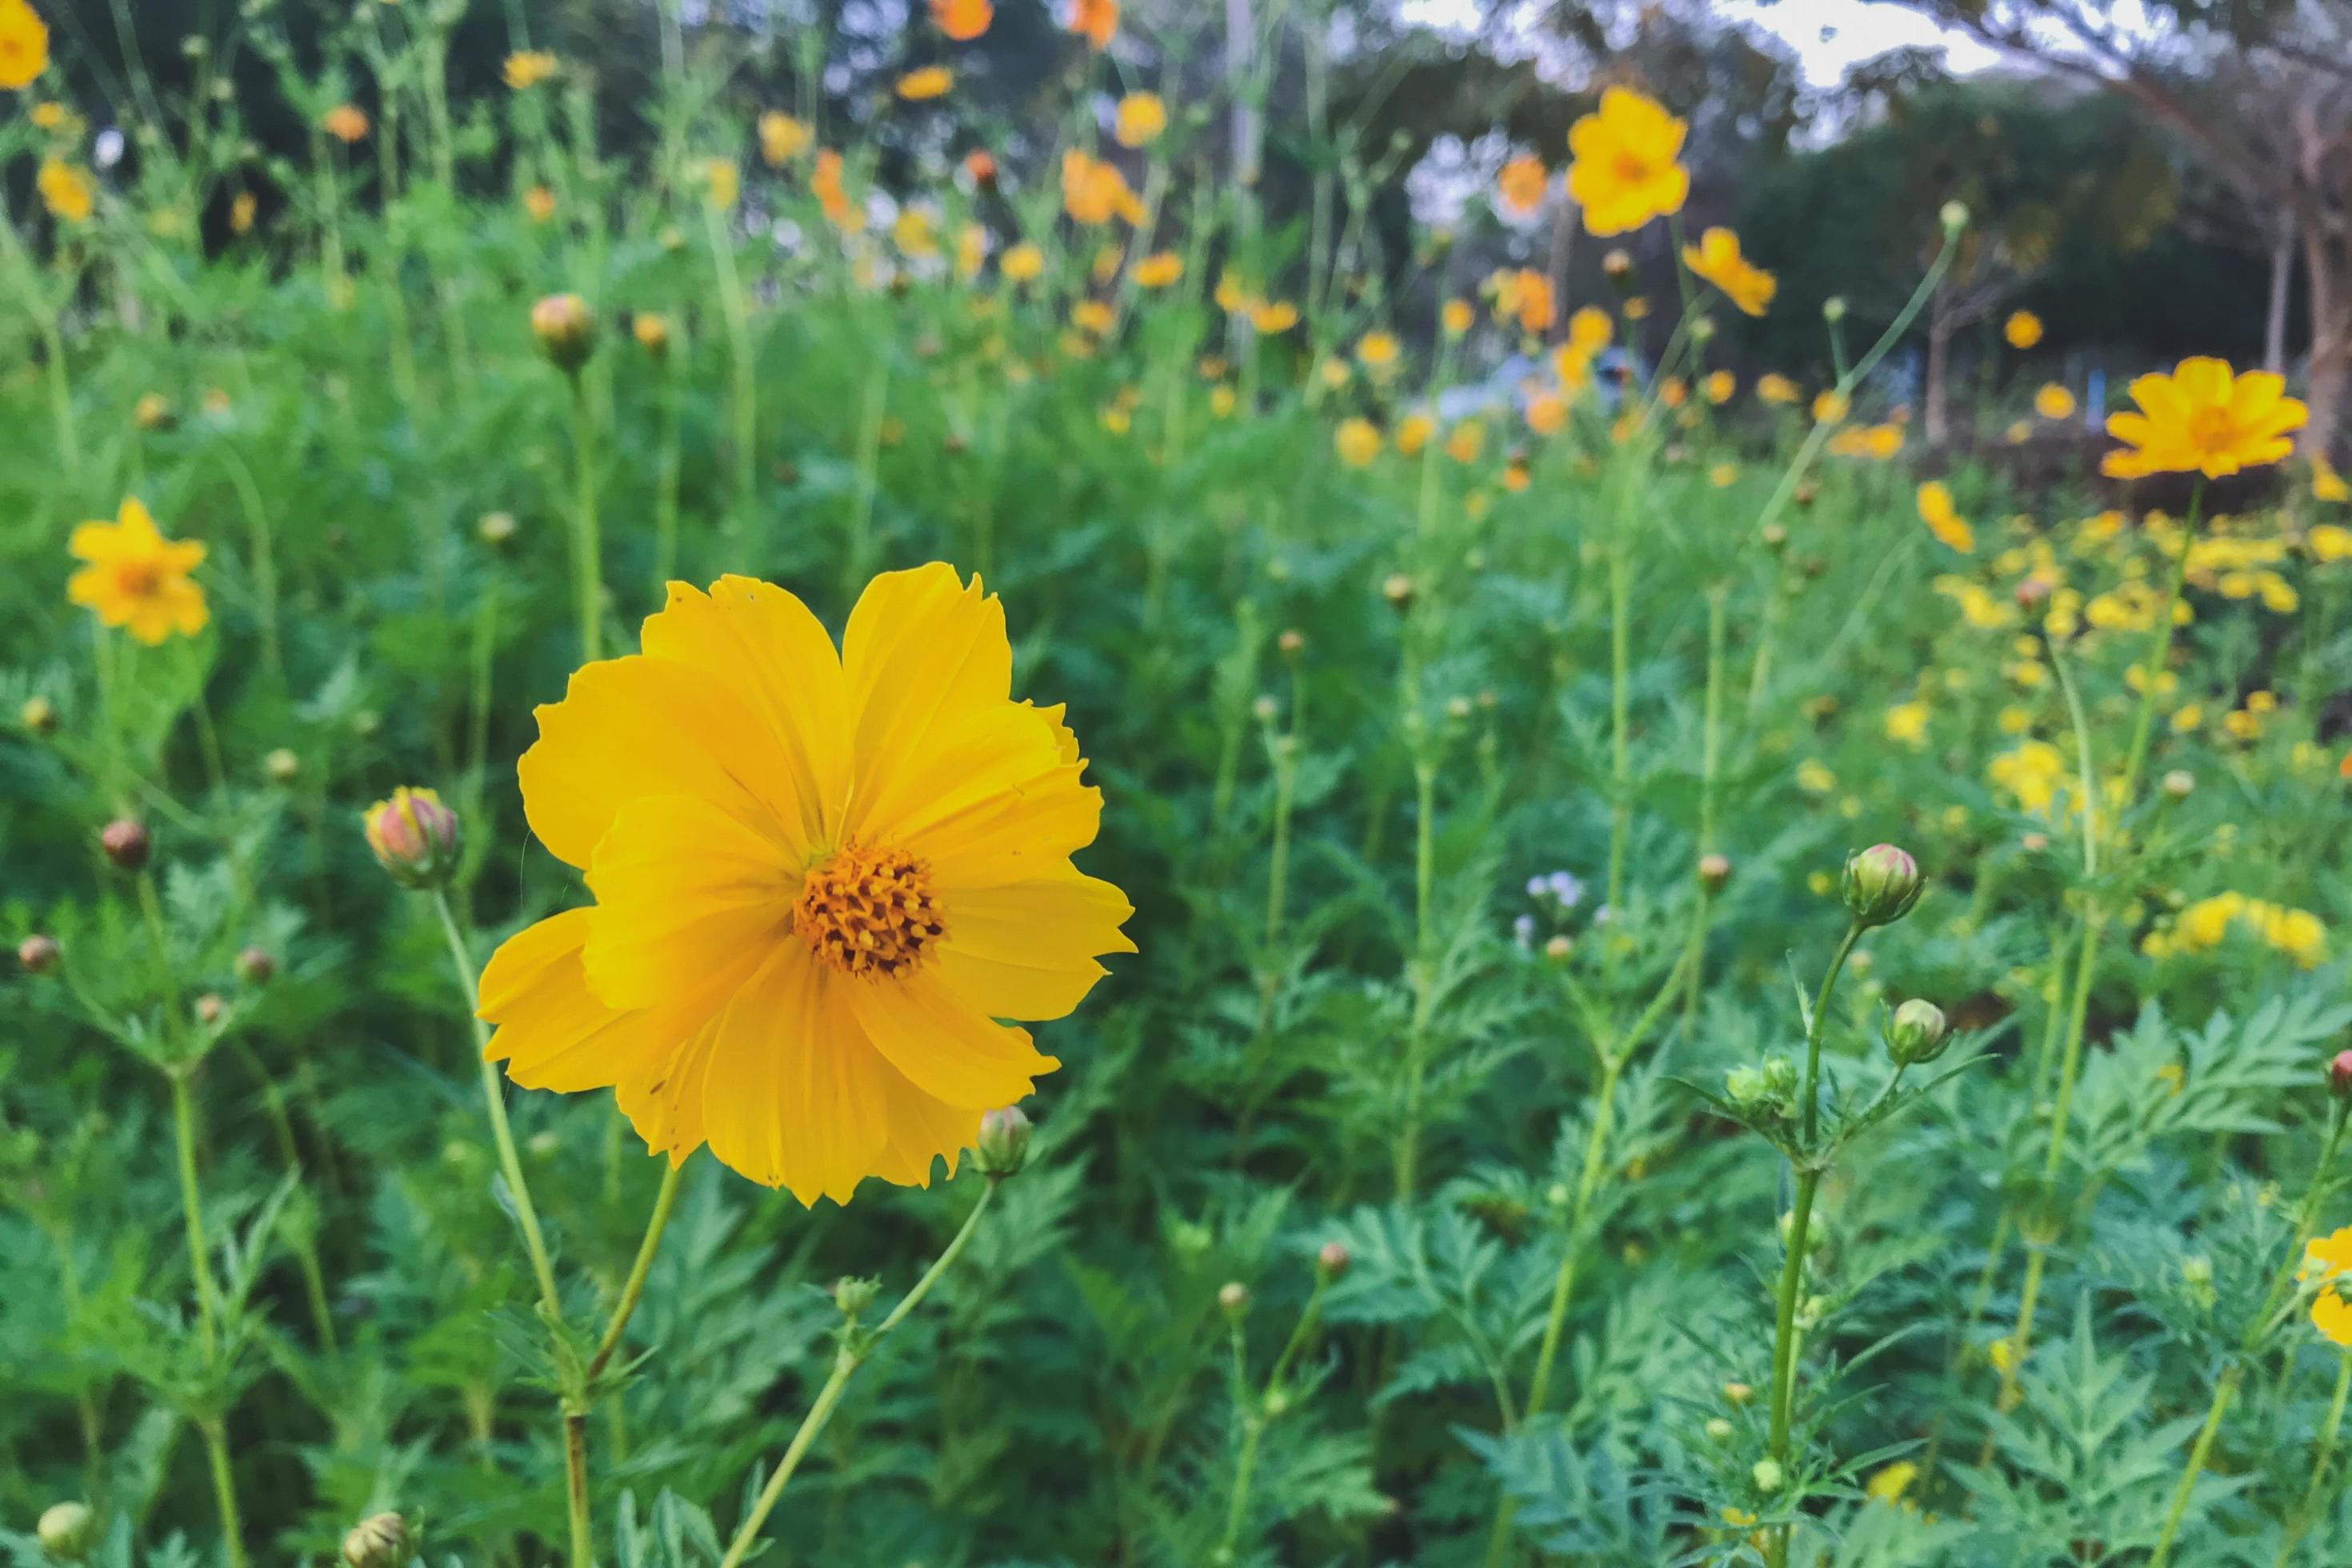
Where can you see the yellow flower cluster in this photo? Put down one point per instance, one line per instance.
(2328, 1260)
(2203, 925)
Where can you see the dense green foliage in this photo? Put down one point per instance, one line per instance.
(1347, 718)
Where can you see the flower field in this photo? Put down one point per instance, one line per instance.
(888, 837)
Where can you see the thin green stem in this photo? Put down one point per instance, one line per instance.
(587, 539)
(855, 1348)
(634, 1286)
(2307, 1512)
(191, 1212)
(224, 1490)
(2223, 1390)
(494, 1099)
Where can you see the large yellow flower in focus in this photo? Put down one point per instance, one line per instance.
(136, 579)
(1627, 167)
(2203, 419)
(24, 45)
(819, 880)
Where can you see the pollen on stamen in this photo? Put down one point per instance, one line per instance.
(867, 912)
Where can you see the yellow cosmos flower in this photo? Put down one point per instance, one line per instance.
(1022, 263)
(2054, 402)
(2326, 484)
(962, 20)
(2202, 418)
(1357, 441)
(1944, 520)
(1377, 351)
(1719, 385)
(539, 202)
(241, 212)
(1521, 184)
(819, 880)
(1140, 120)
(136, 579)
(345, 123)
(2331, 1314)
(722, 182)
(1274, 317)
(1627, 167)
(526, 69)
(66, 191)
(925, 82)
(782, 138)
(24, 45)
(1093, 191)
(2023, 329)
(1455, 316)
(1412, 434)
(1159, 270)
(1774, 388)
(1717, 258)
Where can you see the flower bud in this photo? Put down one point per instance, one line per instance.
(652, 333)
(1332, 1261)
(1714, 872)
(566, 331)
(1780, 1077)
(1004, 1142)
(1744, 1085)
(1291, 641)
(1718, 1429)
(210, 1008)
(38, 715)
(1918, 1033)
(852, 1295)
(1233, 1298)
(254, 966)
(1277, 1402)
(1882, 883)
(1834, 308)
(415, 837)
(1956, 218)
(281, 765)
(1766, 1476)
(380, 1541)
(126, 843)
(1557, 948)
(2179, 783)
(2340, 1071)
(1738, 1393)
(496, 527)
(68, 1531)
(1398, 591)
(39, 954)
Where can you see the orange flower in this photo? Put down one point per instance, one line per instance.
(1093, 192)
(830, 195)
(344, 122)
(925, 82)
(1096, 21)
(962, 20)
(2202, 418)
(1522, 183)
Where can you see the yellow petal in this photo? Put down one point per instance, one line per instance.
(943, 1045)
(632, 727)
(553, 1033)
(792, 1096)
(922, 1129)
(1027, 949)
(687, 899)
(762, 645)
(923, 653)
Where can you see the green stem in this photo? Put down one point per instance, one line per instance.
(224, 1490)
(2159, 648)
(2222, 1391)
(1620, 755)
(2307, 1512)
(587, 542)
(192, 1211)
(634, 1286)
(854, 1350)
(494, 1099)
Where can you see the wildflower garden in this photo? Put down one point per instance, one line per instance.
(752, 811)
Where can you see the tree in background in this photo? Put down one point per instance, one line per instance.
(2261, 90)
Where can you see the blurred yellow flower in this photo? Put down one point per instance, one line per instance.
(1092, 316)
(1357, 441)
(66, 191)
(1774, 388)
(1455, 316)
(1095, 192)
(1906, 724)
(345, 123)
(2326, 484)
(1377, 351)
(2023, 329)
(2203, 418)
(2054, 402)
(1547, 412)
(819, 880)
(1140, 120)
(782, 138)
(722, 183)
(1626, 168)
(24, 45)
(1717, 258)
(1022, 263)
(1892, 1481)
(1943, 519)
(539, 202)
(1159, 270)
(925, 82)
(241, 211)
(1521, 184)
(1412, 434)
(1719, 385)
(1525, 295)
(1466, 442)
(1271, 319)
(136, 579)
(526, 69)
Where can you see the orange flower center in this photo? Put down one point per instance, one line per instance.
(2212, 429)
(868, 911)
(136, 579)
(1631, 168)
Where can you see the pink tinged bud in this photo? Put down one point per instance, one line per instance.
(126, 844)
(1333, 1260)
(415, 836)
(39, 954)
(566, 330)
(2339, 1076)
(1714, 872)
(254, 966)
(1004, 1143)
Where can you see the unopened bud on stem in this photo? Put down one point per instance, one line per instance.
(380, 1541)
(1918, 1033)
(1882, 883)
(68, 1531)
(415, 836)
(1004, 1143)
